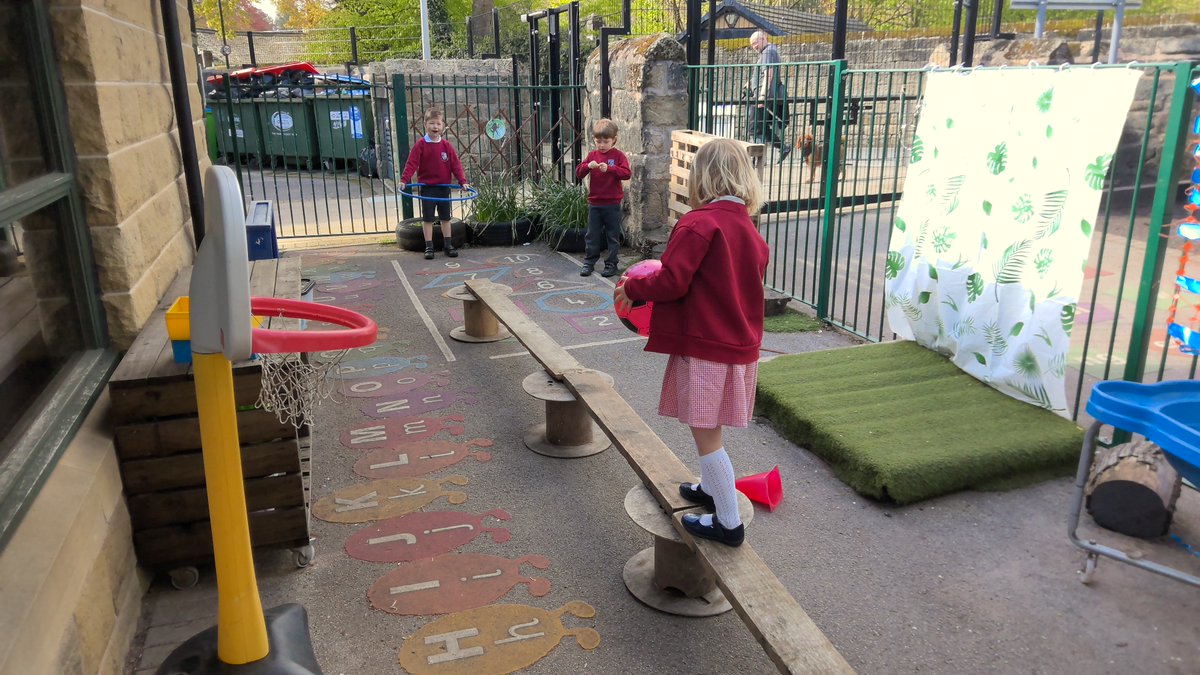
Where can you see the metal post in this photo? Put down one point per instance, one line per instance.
(516, 99)
(424, 30)
(712, 35)
(470, 39)
(495, 53)
(997, 15)
(840, 16)
(353, 45)
(576, 93)
(224, 42)
(829, 202)
(955, 32)
(972, 24)
(605, 80)
(183, 116)
(1096, 39)
(535, 94)
(693, 32)
(250, 44)
(401, 117)
(555, 46)
(1160, 215)
(1039, 30)
(1114, 44)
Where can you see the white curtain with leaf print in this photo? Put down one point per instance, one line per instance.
(991, 238)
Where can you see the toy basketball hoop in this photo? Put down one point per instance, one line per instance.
(293, 386)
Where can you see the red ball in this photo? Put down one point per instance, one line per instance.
(637, 317)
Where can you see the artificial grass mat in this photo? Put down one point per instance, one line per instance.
(899, 422)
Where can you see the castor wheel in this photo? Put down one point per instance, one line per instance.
(303, 556)
(1089, 568)
(184, 577)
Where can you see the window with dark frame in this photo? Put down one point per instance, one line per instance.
(53, 342)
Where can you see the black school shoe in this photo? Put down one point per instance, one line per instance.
(429, 251)
(693, 493)
(451, 252)
(609, 270)
(586, 271)
(734, 537)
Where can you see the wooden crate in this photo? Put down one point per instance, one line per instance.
(684, 144)
(158, 442)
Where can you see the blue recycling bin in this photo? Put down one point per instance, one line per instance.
(261, 241)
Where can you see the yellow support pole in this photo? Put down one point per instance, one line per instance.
(241, 628)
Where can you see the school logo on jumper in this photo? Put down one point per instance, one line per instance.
(418, 459)
(422, 535)
(454, 582)
(493, 639)
(612, 162)
(445, 156)
(381, 499)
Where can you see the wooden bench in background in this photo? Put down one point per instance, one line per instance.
(158, 443)
(778, 622)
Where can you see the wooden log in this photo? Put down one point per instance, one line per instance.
(1132, 489)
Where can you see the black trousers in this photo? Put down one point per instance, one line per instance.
(604, 229)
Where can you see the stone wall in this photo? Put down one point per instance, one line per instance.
(114, 68)
(649, 100)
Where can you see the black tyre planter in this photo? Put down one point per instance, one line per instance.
(410, 236)
(568, 241)
(512, 233)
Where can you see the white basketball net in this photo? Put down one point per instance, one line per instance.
(292, 387)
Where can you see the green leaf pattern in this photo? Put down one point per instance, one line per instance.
(984, 284)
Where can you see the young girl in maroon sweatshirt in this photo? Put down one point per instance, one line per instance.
(708, 316)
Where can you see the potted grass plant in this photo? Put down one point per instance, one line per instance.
(563, 210)
(499, 216)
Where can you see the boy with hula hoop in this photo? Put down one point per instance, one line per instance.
(435, 163)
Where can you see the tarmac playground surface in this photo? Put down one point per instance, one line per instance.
(970, 583)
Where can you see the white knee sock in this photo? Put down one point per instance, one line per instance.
(717, 479)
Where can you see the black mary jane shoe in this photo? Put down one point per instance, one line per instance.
(693, 493)
(716, 532)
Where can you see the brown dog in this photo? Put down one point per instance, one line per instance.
(813, 152)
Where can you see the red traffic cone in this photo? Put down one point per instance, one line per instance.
(764, 488)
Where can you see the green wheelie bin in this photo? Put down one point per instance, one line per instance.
(239, 137)
(345, 126)
(288, 130)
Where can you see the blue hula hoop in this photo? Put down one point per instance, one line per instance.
(472, 193)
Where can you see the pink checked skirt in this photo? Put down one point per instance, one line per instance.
(706, 394)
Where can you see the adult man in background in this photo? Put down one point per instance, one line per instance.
(768, 109)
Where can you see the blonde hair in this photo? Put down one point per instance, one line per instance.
(722, 168)
(604, 128)
(434, 114)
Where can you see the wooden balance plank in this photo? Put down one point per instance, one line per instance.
(788, 635)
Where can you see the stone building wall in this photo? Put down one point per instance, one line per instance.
(649, 100)
(114, 68)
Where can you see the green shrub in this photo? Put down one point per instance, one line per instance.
(563, 207)
(499, 199)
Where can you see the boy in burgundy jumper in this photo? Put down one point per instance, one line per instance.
(435, 163)
(607, 166)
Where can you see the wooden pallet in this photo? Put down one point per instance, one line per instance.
(158, 441)
(778, 622)
(684, 145)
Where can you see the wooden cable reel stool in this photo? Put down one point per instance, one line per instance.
(669, 576)
(479, 323)
(568, 431)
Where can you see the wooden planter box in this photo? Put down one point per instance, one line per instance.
(157, 434)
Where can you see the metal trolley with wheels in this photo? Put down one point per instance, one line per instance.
(1168, 415)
